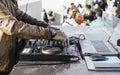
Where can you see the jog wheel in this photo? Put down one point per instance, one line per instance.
(51, 50)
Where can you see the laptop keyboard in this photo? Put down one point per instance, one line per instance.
(100, 46)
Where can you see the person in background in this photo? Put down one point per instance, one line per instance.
(103, 4)
(115, 12)
(79, 15)
(96, 7)
(45, 16)
(117, 4)
(15, 23)
(51, 17)
(110, 6)
(89, 14)
(80, 9)
(98, 21)
(73, 14)
(71, 21)
(71, 10)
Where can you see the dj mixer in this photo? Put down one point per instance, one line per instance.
(51, 50)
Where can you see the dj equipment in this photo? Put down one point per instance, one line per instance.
(51, 50)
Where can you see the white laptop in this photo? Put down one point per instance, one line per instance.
(103, 47)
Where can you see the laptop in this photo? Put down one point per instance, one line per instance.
(102, 47)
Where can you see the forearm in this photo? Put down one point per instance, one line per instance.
(10, 26)
(25, 30)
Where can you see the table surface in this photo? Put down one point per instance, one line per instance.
(78, 68)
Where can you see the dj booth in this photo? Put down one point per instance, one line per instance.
(69, 61)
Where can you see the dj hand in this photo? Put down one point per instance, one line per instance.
(60, 36)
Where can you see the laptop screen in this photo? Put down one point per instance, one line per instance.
(110, 23)
(115, 36)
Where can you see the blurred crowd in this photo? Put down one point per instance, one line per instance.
(92, 14)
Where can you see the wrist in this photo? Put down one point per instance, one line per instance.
(53, 32)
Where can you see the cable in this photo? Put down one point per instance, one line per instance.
(82, 37)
